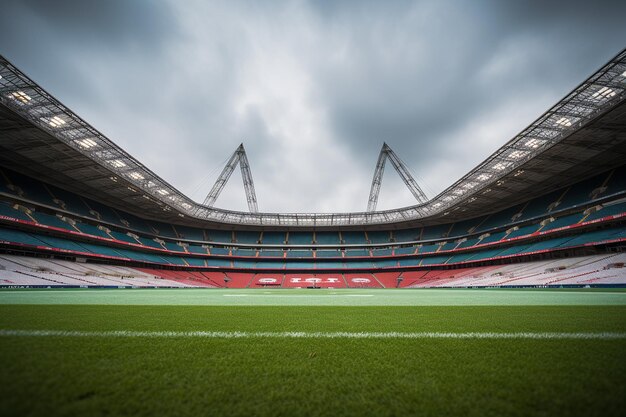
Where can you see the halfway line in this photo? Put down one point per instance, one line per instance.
(311, 335)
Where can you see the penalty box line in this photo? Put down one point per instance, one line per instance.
(312, 335)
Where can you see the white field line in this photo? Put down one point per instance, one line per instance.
(311, 335)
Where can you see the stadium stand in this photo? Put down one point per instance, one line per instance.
(104, 227)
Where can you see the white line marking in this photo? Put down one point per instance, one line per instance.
(311, 335)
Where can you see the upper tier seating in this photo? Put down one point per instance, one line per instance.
(502, 226)
(327, 238)
(300, 238)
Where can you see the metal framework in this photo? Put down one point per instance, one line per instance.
(601, 92)
(238, 157)
(403, 171)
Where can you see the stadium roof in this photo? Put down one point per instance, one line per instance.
(582, 134)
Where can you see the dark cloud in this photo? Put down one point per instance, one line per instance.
(312, 88)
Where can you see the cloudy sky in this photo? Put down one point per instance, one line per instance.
(311, 88)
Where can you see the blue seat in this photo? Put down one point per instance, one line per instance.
(218, 262)
(500, 219)
(220, 236)
(428, 248)
(164, 230)
(435, 232)
(194, 261)
(607, 210)
(328, 253)
(122, 237)
(173, 247)
(407, 235)
(150, 243)
(17, 236)
(409, 250)
(356, 252)
(91, 230)
(581, 193)
(353, 238)
(433, 260)
(271, 253)
(247, 237)
(300, 238)
(382, 252)
(219, 251)
(378, 237)
(241, 263)
(381, 263)
(327, 238)
(299, 253)
(330, 264)
(562, 222)
(6, 209)
(51, 220)
(244, 252)
(271, 265)
(197, 249)
(359, 263)
(273, 238)
(189, 233)
(524, 230)
(73, 203)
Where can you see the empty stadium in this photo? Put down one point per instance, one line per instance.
(130, 298)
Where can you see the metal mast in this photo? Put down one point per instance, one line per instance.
(377, 181)
(403, 172)
(238, 157)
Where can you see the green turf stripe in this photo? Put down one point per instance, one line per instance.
(314, 335)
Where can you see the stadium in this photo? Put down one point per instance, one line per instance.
(121, 295)
(545, 209)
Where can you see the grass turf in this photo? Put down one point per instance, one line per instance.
(304, 297)
(291, 377)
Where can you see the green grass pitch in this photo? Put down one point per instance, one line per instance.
(157, 364)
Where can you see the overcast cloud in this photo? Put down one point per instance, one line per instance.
(311, 88)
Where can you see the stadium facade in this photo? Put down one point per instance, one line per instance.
(547, 208)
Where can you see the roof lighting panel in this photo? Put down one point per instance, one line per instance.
(604, 92)
(117, 163)
(56, 121)
(87, 143)
(564, 121)
(20, 96)
(533, 143)
(136, 176)
(518, 154)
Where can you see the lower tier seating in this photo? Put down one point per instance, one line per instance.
(605, 269)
